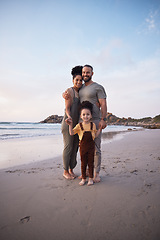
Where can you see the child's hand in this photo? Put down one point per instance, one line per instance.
(69, 121)
(99, 130)
(101, 127)
(102, 124)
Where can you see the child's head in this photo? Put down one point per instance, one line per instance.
(86, 111)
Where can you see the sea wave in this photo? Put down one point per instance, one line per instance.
(14, 136)
(11, 130)
(23, 130)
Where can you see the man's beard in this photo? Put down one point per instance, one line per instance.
(87, 80)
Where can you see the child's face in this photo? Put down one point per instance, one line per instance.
(86, 115)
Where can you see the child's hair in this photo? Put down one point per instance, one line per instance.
(86, 105)
(77, 70)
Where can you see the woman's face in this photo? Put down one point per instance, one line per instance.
(77, 81)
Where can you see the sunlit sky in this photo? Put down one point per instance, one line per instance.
(41, 40)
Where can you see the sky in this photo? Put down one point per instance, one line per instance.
(42, 40)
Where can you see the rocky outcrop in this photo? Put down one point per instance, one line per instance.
(53, 119)
(148, 122)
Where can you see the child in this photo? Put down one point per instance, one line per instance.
(87, 132)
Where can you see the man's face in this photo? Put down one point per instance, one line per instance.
(87, 74)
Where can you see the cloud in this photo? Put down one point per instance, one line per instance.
(113, 54)
(151, 23)
(132, 88)
(135, 89)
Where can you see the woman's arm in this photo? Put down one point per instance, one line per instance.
(68, 107)
(70, 123)
(68, 103)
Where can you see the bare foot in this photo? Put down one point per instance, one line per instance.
(82, 182)
(96, 178)
(67, 176)
(72, 174)
(90, 182)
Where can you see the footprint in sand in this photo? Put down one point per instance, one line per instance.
(135, 171)
(148, 185)
(25, 219)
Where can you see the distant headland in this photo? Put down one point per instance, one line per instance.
(147, 122)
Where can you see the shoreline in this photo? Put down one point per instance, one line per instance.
(30, 150)
(38, 203)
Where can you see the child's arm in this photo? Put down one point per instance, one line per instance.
(98, 131)
(70, 123)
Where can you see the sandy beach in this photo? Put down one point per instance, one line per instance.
(36, 202)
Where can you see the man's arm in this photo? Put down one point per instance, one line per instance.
(66, 95)
(103, 106)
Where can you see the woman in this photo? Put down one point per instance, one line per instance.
(71, 112)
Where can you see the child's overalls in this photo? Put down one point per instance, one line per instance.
(87, 149)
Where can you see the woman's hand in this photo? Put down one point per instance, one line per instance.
(69, 120)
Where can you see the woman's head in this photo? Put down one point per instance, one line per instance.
(77, 76)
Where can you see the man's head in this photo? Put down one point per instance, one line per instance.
(87, 73)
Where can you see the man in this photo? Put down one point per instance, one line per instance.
(95, 93)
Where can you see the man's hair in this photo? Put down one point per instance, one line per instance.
(86, 105)
(77, 70)
(87, 65)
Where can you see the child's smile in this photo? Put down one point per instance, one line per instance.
(86, 115)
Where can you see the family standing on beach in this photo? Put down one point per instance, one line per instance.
(84, 119)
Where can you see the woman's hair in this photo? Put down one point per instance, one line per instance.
(76, 71)
(86, 105)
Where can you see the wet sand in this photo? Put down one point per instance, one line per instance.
(38, 203)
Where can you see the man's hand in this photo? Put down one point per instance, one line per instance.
(66, 95)
(102, 124)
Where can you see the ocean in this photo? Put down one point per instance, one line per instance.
(18, 130)
(25, 142)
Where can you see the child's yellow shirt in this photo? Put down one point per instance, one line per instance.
(87, 127)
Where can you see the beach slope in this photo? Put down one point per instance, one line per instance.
(38, 203)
